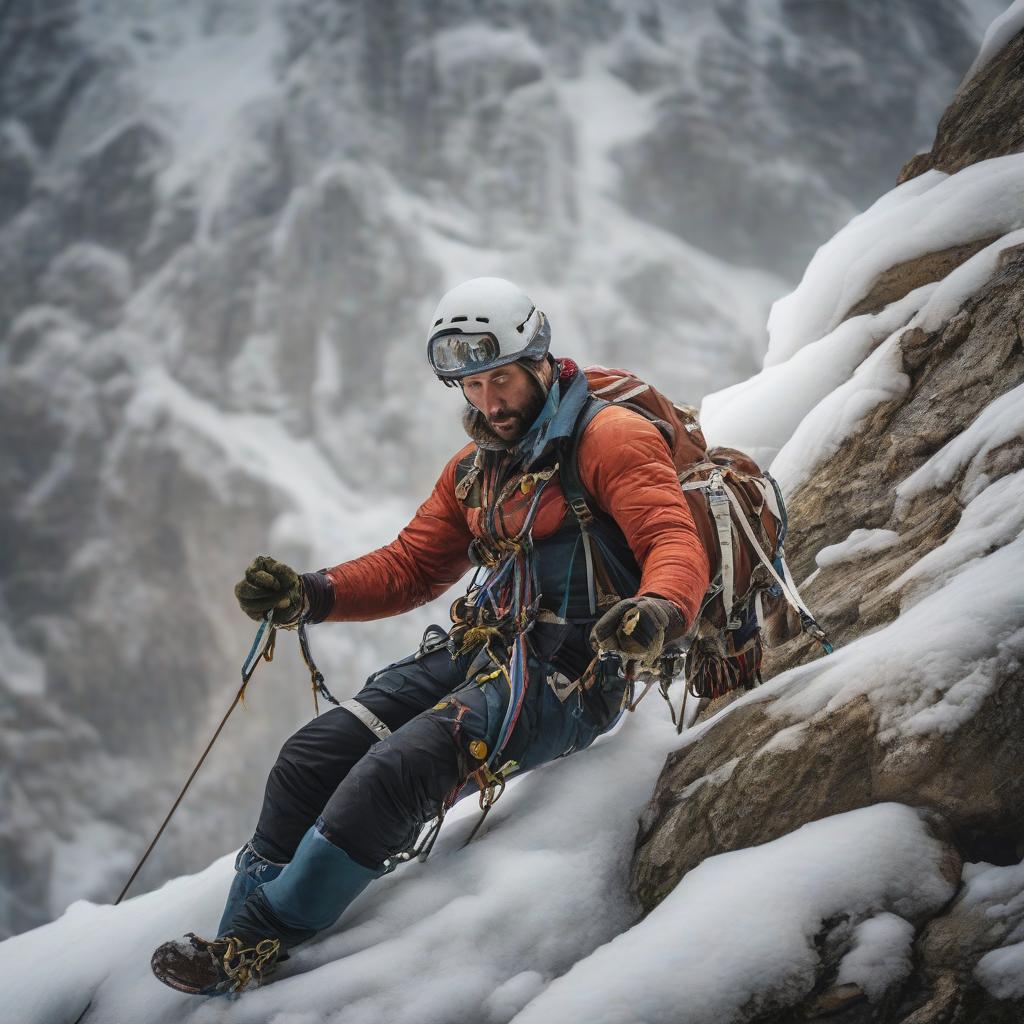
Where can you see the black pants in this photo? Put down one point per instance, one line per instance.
(372, 796)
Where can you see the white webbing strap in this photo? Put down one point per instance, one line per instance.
(591, 584)
(788, 587)
(718, 500)
(367, 717)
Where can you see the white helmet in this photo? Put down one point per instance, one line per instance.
(484, 323)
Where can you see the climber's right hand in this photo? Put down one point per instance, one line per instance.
(268, 584)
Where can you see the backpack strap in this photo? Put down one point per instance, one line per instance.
(574, 492)
(785, 581)
(718, 501)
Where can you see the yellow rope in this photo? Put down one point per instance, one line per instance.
(476, 635)
(244, 964)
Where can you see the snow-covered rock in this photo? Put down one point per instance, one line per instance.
(902, 457)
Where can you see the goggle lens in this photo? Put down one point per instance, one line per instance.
(453, 353)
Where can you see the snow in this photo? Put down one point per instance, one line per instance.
(999, 893)
(314, 499)
(471, 935)
(929, 670)
(926, 214)
(1001, 971)
(1001, 887)
(821, 433)
(880, 378)
(761, 414)
(993, 519)
(204, 75)
(740, 928)
(881, 955)
(1001, 422)
(958, 634)
(23, 672)
(531, 921)
(999, 33)
(857, 544)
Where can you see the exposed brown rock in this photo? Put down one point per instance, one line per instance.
(985, 119)
(948, 950)
(839, 763)
(903, 278)
(953, 374)
(754, 775)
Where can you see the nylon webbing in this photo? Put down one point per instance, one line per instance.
(718, 499)
(367, 717)
(788, 588)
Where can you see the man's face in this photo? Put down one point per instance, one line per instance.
(509, 397)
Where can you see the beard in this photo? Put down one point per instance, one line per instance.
(519, 419)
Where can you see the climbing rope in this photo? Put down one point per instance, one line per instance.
(262, 649)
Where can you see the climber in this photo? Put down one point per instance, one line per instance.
(514, 683)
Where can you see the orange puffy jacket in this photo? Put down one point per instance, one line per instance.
(624, 465)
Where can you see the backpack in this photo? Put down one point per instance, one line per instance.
(741, 519)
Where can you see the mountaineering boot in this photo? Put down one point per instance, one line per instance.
(218, 967)
(309, 894)
(251, 871)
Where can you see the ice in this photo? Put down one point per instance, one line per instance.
(859, 542)
(881, 955)
(739, 929)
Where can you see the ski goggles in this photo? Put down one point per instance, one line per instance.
(458, 355)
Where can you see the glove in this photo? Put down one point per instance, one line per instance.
(268, 584)
(638, 628)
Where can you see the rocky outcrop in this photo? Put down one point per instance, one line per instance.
(983, 121)
(954, 373)
(903, 278)
(776, 760)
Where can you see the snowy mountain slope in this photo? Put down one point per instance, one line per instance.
(221, 227)
(860, 905)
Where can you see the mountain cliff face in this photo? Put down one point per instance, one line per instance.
(907, 528)
(222, 225)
